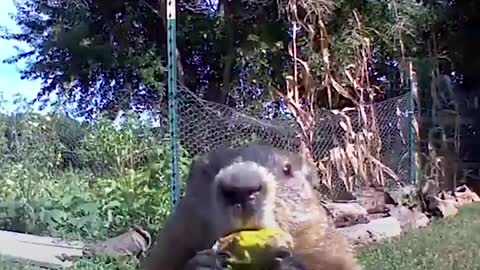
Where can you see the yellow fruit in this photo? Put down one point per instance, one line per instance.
(253, 249)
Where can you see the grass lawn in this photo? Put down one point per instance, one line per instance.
(452, 243)
(8, 265)
(448, 244)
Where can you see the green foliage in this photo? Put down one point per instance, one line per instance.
(39, 203)
(114, 176)
(81, 264)
(137, 196)
(29, 137)
(105, 264)
(131, 146)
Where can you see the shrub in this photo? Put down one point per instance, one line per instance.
(61, 178)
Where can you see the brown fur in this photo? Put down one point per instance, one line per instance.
(326, 251)
(291, 198)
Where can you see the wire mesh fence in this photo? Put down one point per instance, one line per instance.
(68, 179)
(204, 126)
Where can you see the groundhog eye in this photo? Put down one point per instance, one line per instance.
(287, 169)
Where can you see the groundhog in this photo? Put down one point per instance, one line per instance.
(251, 187)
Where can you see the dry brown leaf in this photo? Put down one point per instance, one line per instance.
(350, 151)
(385, 168)
(342, 90)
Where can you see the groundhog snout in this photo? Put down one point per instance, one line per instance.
(241, 190)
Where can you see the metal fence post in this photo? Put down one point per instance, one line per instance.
(172, 98)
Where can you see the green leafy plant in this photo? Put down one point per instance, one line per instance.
(113, 178)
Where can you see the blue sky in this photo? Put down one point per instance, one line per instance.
(10, 82)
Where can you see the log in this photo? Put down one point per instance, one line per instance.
(372, 232)
(38, 250)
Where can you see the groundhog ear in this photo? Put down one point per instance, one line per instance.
(287, 169)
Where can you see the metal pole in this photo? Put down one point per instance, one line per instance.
(172, 97)
(412, 130)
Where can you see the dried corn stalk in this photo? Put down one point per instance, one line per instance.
(356, 161)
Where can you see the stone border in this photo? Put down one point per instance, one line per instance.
(377, 215)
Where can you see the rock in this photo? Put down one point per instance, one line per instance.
(343, 196)
(405, 216)
(409, 219)
(445, 196)
(466, 194)
(347, 214)
(340, 209)
(463, 196)
(374, 231)
(400, 195)
(463, 199)
(40, 251)
(473, 183)
(377, 215)
(134, 242)
(372, 199)
(446, 207)
(390, 206)
(421, 219)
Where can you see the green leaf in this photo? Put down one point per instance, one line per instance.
(89, 207)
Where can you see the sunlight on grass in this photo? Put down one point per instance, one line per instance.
(6, 264)
(451, 243)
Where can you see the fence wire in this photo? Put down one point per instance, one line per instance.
(204, 126)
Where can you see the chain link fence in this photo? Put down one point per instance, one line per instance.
(204, 126)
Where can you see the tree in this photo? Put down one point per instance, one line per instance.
(455, 35)
(106, 56)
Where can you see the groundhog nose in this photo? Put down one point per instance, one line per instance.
(242, 190)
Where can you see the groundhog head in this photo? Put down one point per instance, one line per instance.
(260, 187)
(251, 187)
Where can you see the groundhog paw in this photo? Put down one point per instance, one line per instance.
(208, 260)
(286, 260)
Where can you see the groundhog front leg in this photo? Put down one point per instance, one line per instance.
(286, 260)
(217, 260)
(208, 259)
